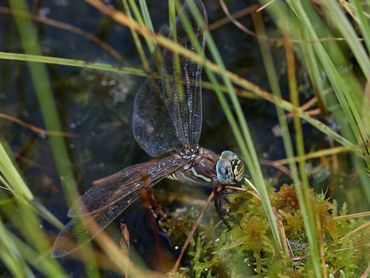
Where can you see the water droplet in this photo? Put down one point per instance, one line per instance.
(176, 247)
(42, 134)
(44, 11)
(276, 130)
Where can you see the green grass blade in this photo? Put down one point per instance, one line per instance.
(303, 188)
(69, 62)
(11, 177)
(49, 112)
(249, 153)
(22, 214)
(44, 213)
(299, 182)
(139, 72)
(309, 31)
(348, 97)
(139, 18)
(49, 268)
(12, 256)
(235, 78)
(363, 22)
(138, 45)
(239, 81)
(341, 22)
(146, 15)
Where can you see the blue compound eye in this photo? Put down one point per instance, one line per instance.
(224, 171)
(229, 155)
(229, 168)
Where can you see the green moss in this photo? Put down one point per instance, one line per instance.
(247, 248)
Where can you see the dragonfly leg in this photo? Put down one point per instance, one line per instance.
(151, 205)
(224, 214)
(155, 214)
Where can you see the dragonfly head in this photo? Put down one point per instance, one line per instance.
(229, 168)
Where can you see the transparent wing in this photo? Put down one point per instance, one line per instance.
(118, 186)
(111, 196)
(167, 113)
(66, 242)
(181, 82)
(152, 126)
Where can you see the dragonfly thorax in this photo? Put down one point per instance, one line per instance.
(190, 153)
(229, 168)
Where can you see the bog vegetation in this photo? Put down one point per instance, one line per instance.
(299, 228)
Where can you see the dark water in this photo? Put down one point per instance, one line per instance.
(96, 106)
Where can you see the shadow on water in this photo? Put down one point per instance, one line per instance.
(95, 107)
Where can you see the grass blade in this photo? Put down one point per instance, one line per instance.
(49, 112)
(300, 183)
(246, 146)
(11, 177)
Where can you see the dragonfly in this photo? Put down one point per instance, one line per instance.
(167, 122)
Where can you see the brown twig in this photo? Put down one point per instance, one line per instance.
(172, 197)
(125, 243)
(113, 252)
(366, 273)
(265, 5)
(304, 107)
(284, 239)
(359, 228)
(277, 165)
(352, 216)
(357, 247)
(192, 231)
(317, 154)
(321, 246)
(234, 21)
(29, 161)
(226, 20)
(199, 59)
(244, 29)
(104, 262)
(39, 131)
(67, 27)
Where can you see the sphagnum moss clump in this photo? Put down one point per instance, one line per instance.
(247, 247)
